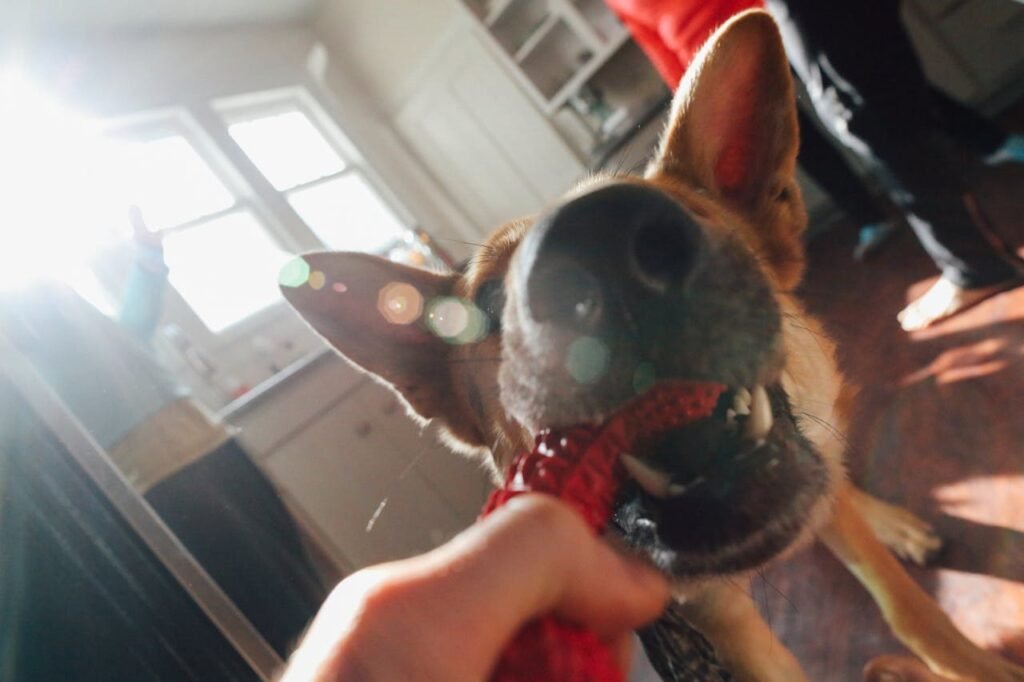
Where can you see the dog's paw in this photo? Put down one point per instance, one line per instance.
(908, 536)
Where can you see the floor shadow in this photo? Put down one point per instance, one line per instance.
(995, 551)
(938, 413)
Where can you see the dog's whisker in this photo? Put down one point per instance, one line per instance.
(487, 248)
(766, 606)
(828, 426)
(782, 595)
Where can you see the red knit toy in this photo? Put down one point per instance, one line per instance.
(580, 465)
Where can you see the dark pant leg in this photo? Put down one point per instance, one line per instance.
(867, 86)
(966, 125)
(822, 161)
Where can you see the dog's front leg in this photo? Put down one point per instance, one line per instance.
(727, 616)
(912, 614)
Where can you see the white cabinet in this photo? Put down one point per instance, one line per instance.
(570, 56)
(555, 45)
(494, 153)
(357, 472)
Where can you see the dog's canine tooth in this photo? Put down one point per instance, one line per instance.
(760, 421)
(741, 401)
(653, 481)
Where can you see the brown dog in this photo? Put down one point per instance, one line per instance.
(687, 273)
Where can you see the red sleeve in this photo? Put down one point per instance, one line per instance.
(664, 59)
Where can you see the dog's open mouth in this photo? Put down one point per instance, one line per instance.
(724, 493)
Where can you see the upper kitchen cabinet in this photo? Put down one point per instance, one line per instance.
(576, 60)
(556, 45)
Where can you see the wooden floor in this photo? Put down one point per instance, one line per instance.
(941, 431)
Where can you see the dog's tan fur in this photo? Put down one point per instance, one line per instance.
(729, 157)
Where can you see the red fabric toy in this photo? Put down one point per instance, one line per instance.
(580, 465)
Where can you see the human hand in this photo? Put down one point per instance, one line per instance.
(448, 614)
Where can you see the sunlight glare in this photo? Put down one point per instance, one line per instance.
(55, 214)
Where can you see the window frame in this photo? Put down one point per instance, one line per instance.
(298, 98)
(205, 127)
(185, 122)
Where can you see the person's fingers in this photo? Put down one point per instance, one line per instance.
(532, 557)
(899, 669)
(449, 613)
(561, 568)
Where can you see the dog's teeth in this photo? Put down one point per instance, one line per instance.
(759, 423)
(741, 401)
(653, 481)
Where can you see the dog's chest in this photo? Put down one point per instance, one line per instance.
(812, 381)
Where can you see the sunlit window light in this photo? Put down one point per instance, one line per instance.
(55, 213)
(333, 198)
(70, 192)
(168, 180)
(346, 214)
(287, 148)
(206, 269)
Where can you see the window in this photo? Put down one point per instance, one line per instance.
(221, 258)
(332, 196)
(170, 182)
(196, 176)
(225, 267)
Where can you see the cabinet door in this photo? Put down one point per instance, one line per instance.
(482, 138)
(354, 479)
(283, 410)
(463, 483)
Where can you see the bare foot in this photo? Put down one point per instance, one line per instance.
(944, 299)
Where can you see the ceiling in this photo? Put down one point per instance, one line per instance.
(104, 16)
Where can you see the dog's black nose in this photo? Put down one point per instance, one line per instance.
(606, 248)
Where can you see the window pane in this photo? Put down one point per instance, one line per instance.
(170, 182)
(225, 268)
(287, 148)
(346, 214)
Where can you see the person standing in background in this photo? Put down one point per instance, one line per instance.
(875, 101)
(867, 85)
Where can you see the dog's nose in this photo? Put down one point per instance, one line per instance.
(607, 247)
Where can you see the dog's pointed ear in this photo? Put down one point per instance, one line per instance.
(733, 128)
(375, 313)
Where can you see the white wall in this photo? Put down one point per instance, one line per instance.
(383, 44)
(419, 82)
(115, 75)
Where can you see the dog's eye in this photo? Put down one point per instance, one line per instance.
(490, 298)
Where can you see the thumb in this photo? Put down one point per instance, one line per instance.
(560, 567)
